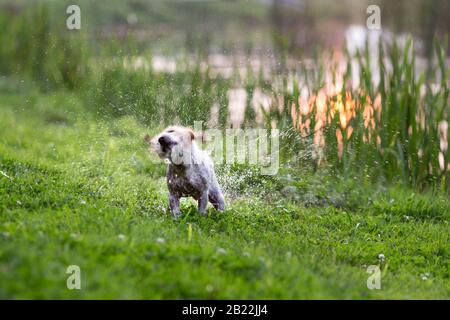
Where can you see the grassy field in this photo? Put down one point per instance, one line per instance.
(364, 173)
(79, 190)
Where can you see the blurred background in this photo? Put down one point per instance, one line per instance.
(343, 96)
(253, 26)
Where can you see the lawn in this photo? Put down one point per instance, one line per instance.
(79, 189)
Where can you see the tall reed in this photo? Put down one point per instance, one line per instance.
(395, 129)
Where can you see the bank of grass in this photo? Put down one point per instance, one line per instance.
(76, 190)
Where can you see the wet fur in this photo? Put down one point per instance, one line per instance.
(190, 172)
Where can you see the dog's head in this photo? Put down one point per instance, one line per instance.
(174, 144)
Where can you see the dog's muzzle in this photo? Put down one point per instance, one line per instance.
(166, 143)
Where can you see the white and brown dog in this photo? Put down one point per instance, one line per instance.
(190, 172)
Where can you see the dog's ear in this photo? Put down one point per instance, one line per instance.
(147, 138)
(192, 134)
(197, 135)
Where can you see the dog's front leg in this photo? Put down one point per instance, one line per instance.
(203, 202)
(174, 203)
(216, 198)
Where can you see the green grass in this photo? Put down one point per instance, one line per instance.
(78, 187)
(79, 190)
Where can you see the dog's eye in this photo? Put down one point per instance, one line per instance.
(170, 131)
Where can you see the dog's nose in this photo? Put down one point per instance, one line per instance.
(163, 140)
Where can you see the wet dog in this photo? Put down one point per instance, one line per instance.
(190, 172)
